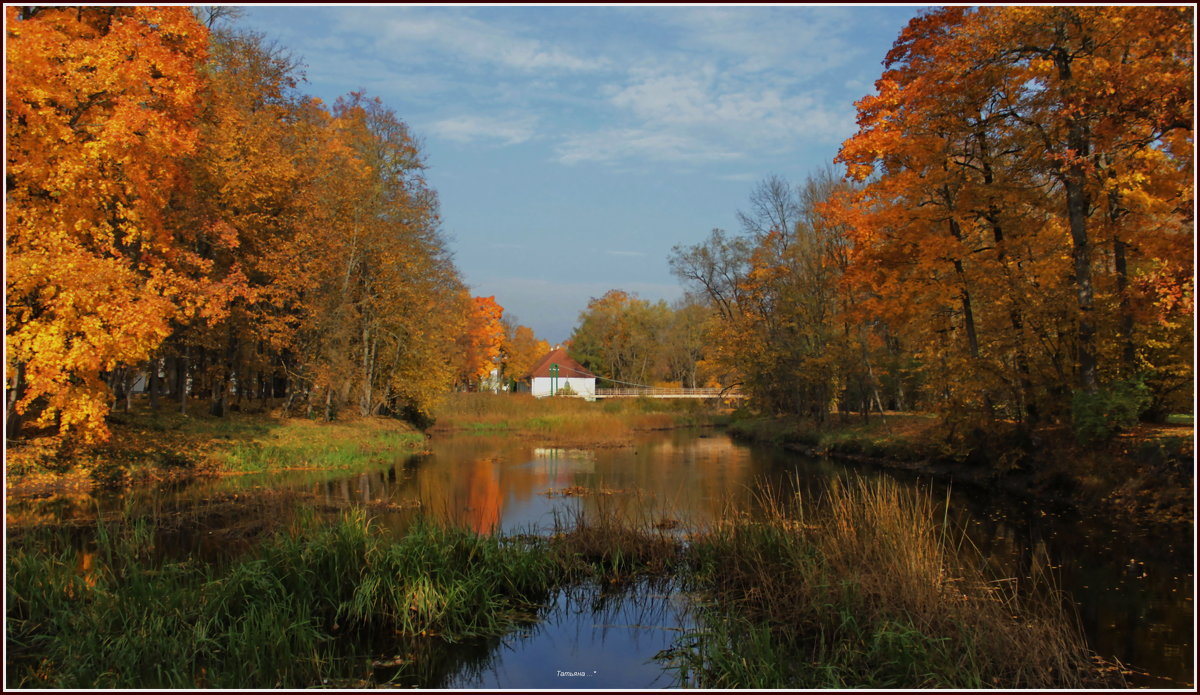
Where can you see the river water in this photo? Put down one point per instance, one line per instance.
(1133, 589)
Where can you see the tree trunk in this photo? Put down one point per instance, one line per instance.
(1081, 254)
(1128, 353)
(967, 308)
(12, 418)
(368, 370)
(182, 381)
(153, 385)
(1074, 179)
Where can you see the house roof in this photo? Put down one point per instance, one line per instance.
(567, 367)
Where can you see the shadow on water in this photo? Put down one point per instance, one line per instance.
(1133, 589)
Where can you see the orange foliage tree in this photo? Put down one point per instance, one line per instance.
(1026, 182)
(481, 343)
(102, 106)
(521, 351)
(178, 210)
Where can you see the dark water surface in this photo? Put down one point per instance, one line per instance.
(1133, 588)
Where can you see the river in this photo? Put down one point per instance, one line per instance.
(1133, 588)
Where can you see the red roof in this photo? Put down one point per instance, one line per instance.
(567, 367)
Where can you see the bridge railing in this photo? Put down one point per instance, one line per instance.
(665, 392)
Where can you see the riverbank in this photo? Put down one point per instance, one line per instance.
(159, 446)
(864, 589)
(569, 422)
(148, 447)
(1145, 475)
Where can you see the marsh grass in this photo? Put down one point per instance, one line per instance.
(304, 444)
(566, 420)
(614, 545)
(297, 612)
(896, 436)
(866, 588)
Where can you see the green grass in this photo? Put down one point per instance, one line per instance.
(1181, 419)
(295, 613)
(325, 449)
(148, 446)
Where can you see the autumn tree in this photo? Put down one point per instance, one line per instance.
(250, 188)
(102, 106)
(779, 325)
(382, 304)
(684, 345)
(481, 344)
(521, 349)
(179, 210)
(1006, 151)
(618, 338)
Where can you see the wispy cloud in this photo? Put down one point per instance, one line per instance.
(702, 116)
(437, 34)
(687, 86)
(655, 143)
(807, 41)
(503, 130)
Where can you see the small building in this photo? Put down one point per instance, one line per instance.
(557, 374)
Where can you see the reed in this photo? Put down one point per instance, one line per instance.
(613, 545)
(865, 588)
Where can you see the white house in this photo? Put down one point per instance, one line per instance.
(557, 374)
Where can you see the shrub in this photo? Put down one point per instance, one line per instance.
(1100, 415)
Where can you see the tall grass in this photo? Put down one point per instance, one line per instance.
(296, 613)
(299, 444)
(866, 590)
(566, 420)
(864, 587)
(609, 543)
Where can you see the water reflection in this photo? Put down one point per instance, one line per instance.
(592, 636)
(1133, 588)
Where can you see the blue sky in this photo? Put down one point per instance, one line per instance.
(572, 147)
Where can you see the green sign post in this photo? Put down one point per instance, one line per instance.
(553, 378)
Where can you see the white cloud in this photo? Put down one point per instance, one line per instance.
(616, 145)
(806, 40)
(700, 115)
(636, 85)
(506, 131)
(426, 31)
